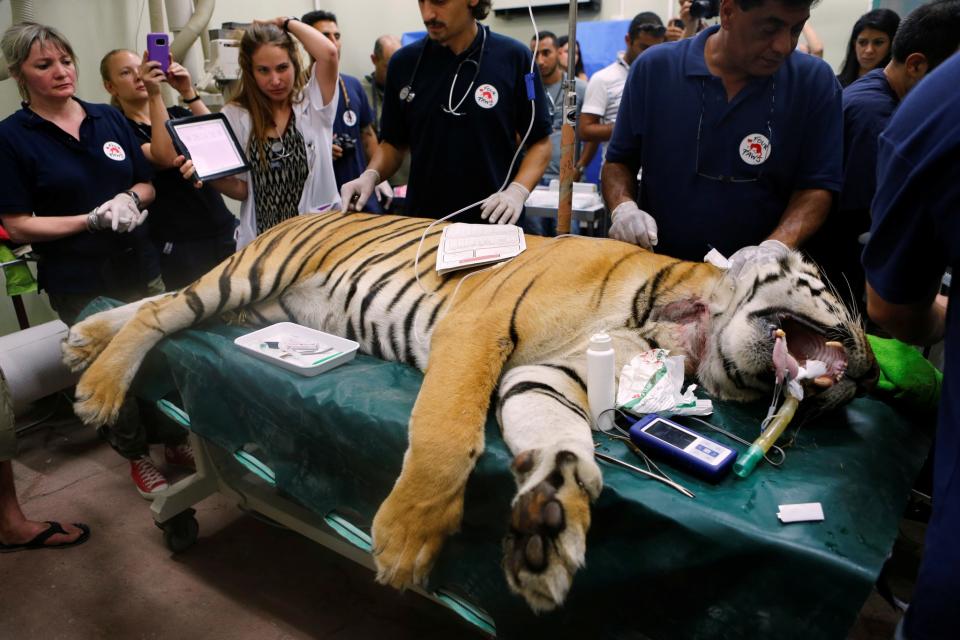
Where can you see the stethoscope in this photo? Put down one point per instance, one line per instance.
(407, 94)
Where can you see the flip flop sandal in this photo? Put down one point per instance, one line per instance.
(39, 540)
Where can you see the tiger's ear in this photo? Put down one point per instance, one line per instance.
(681, 311)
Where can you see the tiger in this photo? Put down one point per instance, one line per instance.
(516, 333)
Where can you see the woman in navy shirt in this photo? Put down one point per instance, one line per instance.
(75, 180)
(191, 229)
(75, 183)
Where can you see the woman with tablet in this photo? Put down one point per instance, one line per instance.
(192, 230)
(284, 121)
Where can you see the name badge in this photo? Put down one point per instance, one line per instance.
(755, 149)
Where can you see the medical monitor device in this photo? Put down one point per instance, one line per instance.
(209, 141)
(682, 447)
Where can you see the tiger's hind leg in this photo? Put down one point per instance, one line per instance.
(542, 411)
(88, 338)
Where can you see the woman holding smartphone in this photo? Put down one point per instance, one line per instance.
(283, 118)
(192, 230)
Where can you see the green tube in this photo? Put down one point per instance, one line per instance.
(745, 463)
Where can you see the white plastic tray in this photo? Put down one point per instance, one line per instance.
(255, 344)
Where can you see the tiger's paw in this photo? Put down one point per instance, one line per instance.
(86, 340)
(99, 395)
(409, 530)
(548, 529)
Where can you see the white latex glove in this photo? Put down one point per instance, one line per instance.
(766, 251)
(119, 213)
(634, 225)
(504, 207)
(361, 189)
(384, 194)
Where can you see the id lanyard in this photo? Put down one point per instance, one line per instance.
(349, 117)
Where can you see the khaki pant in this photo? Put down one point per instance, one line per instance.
(8, 437)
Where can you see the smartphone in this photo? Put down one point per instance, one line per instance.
(677, 22)
(158, 48)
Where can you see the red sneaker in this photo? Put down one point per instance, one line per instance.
(180, 455)
(148, 479)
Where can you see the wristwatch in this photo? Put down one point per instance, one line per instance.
(286, 23)
(136, 198)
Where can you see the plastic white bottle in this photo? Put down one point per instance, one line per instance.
(601, 380)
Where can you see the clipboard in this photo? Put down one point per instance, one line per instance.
(209, 141)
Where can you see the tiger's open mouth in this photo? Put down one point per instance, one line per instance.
(801, 349)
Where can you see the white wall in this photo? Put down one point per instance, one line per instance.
(97, 26)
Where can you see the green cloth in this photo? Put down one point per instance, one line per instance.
(20, 279)
(905, 374)
(658, 563)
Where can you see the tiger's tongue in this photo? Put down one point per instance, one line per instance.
(784, 364)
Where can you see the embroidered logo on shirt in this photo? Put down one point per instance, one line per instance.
(755, 149)
(486, 96)
(114, 151)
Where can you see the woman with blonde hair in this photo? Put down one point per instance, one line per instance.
(283, 118)
(74, 185)
(191, 230)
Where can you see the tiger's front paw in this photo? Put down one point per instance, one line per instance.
(409, 530)
(99, 396)
(85, 341)
(548, 529)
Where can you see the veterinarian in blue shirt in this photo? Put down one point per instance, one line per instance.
(738, 137)
(915, 236)
(461, 141)
(924, 39)
(49, 173)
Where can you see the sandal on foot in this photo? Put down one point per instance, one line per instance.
(39, 540)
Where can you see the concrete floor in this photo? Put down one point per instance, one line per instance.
(243, 578)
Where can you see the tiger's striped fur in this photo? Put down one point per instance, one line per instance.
(524, 324)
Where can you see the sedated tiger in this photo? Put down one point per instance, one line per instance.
(520, 330)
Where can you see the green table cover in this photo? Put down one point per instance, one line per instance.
(658, 564)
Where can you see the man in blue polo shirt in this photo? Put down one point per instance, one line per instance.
(458, 100)
(738, 138)
(354, 139)
(924, 39)
(915, 236)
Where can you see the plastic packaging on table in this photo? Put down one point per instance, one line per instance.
(652, 382)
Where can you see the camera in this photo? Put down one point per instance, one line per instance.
(705, 9)
(345, 141)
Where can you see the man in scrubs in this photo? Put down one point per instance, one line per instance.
(458, 100)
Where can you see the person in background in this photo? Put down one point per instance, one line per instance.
(374, 84)
(554, 84)
(458, 100)
(812, 43)
(17, 533)
(601, 101)
(563, 53)
(869, 44)
(684, 25)
(926, 37)
(75, 181)
(354, 138)
(739, 141)
(283, 118)
(192, 229)
(914, 238)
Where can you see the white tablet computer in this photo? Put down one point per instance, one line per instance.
(209, 141)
